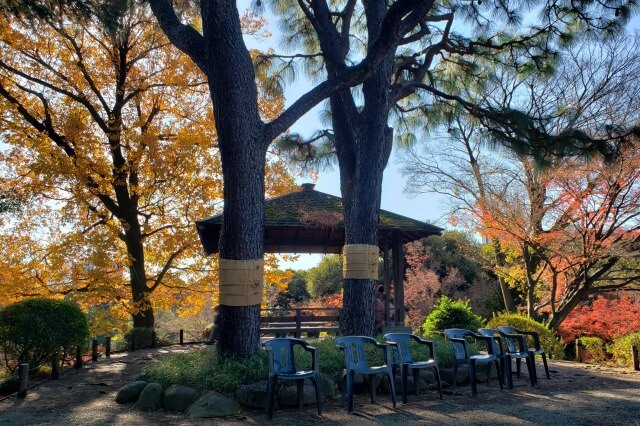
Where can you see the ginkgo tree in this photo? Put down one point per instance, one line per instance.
(109, 146)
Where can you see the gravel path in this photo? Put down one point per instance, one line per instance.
(576, 394)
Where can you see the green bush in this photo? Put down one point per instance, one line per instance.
(450, 314)
(32, 330)
(621, 348)
(594, 348)
(552, 346)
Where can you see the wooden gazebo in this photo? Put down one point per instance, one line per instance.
(309, 221)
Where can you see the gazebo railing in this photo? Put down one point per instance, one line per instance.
(296, 321)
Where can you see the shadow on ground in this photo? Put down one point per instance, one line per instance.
(575, 394)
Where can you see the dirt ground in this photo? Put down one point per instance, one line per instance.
(577, 394)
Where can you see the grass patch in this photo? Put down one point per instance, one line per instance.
(206, 371)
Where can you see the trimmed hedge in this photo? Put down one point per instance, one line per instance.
(548, 340)
(621, 348)
(32, 330)
(449, 313)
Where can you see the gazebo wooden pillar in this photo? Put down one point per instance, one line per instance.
(398, 275)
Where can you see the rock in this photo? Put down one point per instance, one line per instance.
(130, 392)
(253, 395)
(446, 374)
(422, 384)
(428, 375)
(288, 396)
(329, 387)
(213, 404)
(178, 397)
(150, 399)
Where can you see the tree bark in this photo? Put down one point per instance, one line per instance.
(242, 239)
(363, 146)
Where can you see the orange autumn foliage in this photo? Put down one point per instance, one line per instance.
(109, 149)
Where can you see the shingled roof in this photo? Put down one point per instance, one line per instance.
(310, 221)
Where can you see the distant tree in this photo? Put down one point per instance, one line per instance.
(605, 317)
(297, 287)
(326, 278)
(450, 265)
(559, 259)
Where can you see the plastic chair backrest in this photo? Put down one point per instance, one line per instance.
(281, 355)
(491, 332)
(355, 355)
(512, 344)
(402, 352)
(460, 351)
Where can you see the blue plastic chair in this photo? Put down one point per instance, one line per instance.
(498, 348)
(355, 357)
(515, 348)
(282, 366)
(536, 350)
(402, 351)
(461, 355)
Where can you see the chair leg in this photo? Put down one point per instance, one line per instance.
(316, 384)
(350, 391)
(372, 378)
(437, 374)
(393, 389)
(300, 393)
(509, 373)
(472, 377)
(519, 367)
(404, 382)
(455, 371)
(271, 390)
(416, 379)
(497, 363)
(532, 369)
(503, 365)
(546, 367)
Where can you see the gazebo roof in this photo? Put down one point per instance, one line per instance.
(310, 221)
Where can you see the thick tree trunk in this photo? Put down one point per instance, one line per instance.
(363, 147)
(143, 317)
(243, 152)
(242, 239)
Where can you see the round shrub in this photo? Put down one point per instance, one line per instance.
(32, 330)
(548, 340)
(449, 313)
(621, 348)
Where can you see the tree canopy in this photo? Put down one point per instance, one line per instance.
(110, 150)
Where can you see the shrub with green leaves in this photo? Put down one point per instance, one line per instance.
(621, 348)
(32, 330)
(548, 340)
(594, 348)
(449, 313)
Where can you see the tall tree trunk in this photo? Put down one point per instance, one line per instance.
(243, 153)
(363, 147)
(143, 316)
(242, 239)
(507, 297)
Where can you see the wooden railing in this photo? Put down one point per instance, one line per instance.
(295, 321)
